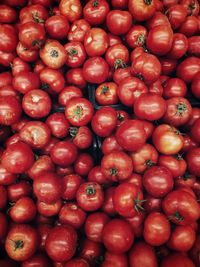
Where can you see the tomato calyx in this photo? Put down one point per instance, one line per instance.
(36, 18)
(95, 3)
(104, 89)
(119, 64)
(191, 7)
(138, 203)
(19, 244)
(36, 43)
(149, 163)
(148, 2)
(176, 216)
(178, 157)
(181, 108)
(73, 131)
(72, 52)
(120, 117)
(54, 53)
(90, 190)
(78, 112)
(113, 171)
(186, 176)
(141, 39)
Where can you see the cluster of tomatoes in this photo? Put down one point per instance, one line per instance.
(138, 205)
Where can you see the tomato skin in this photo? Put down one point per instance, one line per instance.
(127, 199)
(75, 77)
(95, 12)
(181, 206)
(142, 255)
(157, 19)
(52, 80)
(111, 232)
(6, 178)
(120, 74)
(94, 225)
(106, 94)
(188, 68)
(37, 260)
(8, 37)
(67, 93)
(158, 181)
(136, 36)
(83, 164)
(116, 166)
(5, 79)
(58, 125)
(110, 145)
(117, 56)
(35, 13)
(70, 184)
(77, 262)
(156, 229)
(182, 238)
(19, 65)
(174, 87)
(192, 158)
(57, 27)
(78, 30)
(163, 46)
(26, 81)
(131, 135)
(193, 43)
(82, 136)
(190, 26)
(179, 46)
(118, 22)
(194, 252)
(28, 238)
(90, 196)
(195, 88)
(76, 54)
(7, 14)
(71, 9)
(95, 69)
(141, 10)
(115, 260)
(178, 259)
(149, 106)
(104, 121)
(4, 225)
(177, 15)
(61, 243)
(195, 132)
(167, 139)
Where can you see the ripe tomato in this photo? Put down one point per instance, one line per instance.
(188, 68)
(7, 14)
(19, 190)
(142, 10)
(67, 93)
(82, 136)
(120, 74)
(90, 196)
(95, 69)
(38, 259)
(116, 166)
(128, 199)
(79, 111)
(119, 22)
(21, 242)
(167, 139)
(71, 9)
(136, 36)
(4, 225)
(157, 19)
(106, 94)
(115, 229)
(178, 259)
(75, 77)
(142, 255)
(57, 27)
(70, 184)
(77, 262)
(110, 145)
(152, 204)
(176, 15)
(181, 207)
(190, 26)
(78, 30)
(76, 54)
(25, 54)
(83, 164)
(192, 158)
(35, 13)
(193, 46)
(58, 125)
(8, 38)
(19, 65)
(117, 56)
(52, 80)
(174, 87)
(96, 175)
(179, 46)
(41, 165)
(194, 252)
(144, 157)
(61, 243)
(114, 260)
(195, 88)
(186, 180)
(49, 210)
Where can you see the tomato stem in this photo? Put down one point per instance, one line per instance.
(113, 171)
(186, 176)
(181, 108)
(95, 3)
(54, 53)
(149, 163)
(147, 2)
(90, 190)
(119, 63)
(73, 131)
(36, 43)
(141, 39)
(78, 112)
(176, 216)
(138, 202)
(36, 18)
(72, 52)
(120, 117)
(104, 89)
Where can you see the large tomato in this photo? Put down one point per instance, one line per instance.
(57, 26)
(142, 10)
(71, 9)
(78, 30)
(119, 22)
(188, 68)
(8, 38)
(179, 46)
(76, 54)
(177, 259)
(106, 94)
(136, 36)
(193, 159)
(117, 56)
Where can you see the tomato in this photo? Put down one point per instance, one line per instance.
(149, 106)
(70, 184)
(178, 259)
(186, 180)
(78, 30)
(147, 67)
(7, 14)
(79, 111)
(176, 15)
(5, 79)
(156, 229)
(158, 181)
(136, 223)
(95, 69)
(108, 206)
(152, 204)
(117, 56)
(82, 136)
(94, 225)
(136, 36)
(114, 260)
(135, 179)
(67, 93)
(163, 46)
(142, 255)
(181, 207)
(167, 139)
(174, 87)
(76, 54)
(95, 11)
(142, 10)
(57, 27)
(21, 242)
(77, 262)
(53, 54)
(195, 133)
(110, 145)
(122, 115)
(96, 175)
(176, 164)
(128, 199)
(157, 19)
(72, 215)
(75, 77)
(113, 231)
(6, 178)
(120, 74)
(168, 65)
(190, 26)
(8, 37)
(194, 116)
(192, 158)
(83, 164)
(41, 165)
(37, 260)
(90, 196)
(193, 45)
(116, 166)
(48, 187)
(25, 54)
(3, 200)
(4, 227)
(130, 89)
(19, 65)
(195, 87)
(52, 80)
(179, 46)
(58, 125)
(26, 81)
(106, 94)
(35, 13)
(144, 157)
(71, 9)
(61, 243)
(192, 6)
(104, 121)
(119, 22)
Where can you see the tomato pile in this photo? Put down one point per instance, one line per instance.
(99, 133)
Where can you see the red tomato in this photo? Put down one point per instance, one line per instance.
(95, 12)
(41, 165)
(67, 93)
(52, 80)
(193, 159)
(113, 231)
(190, 26)
(77, 262)
(156, 229)
(37, 260)
(25, 54)
(82, 136)
(110, 145)
(142, 255)
(194, 252)
(179, 46)
(26, 81)
(188, 68)
(195, 87)
(61, 243)
(152, 204)
(70, 185)
(135, 179)
(49, 210)
(7, 14)
(83, 164)
(176, 15)
(195, 131)
(120, 74)
(19, 65)
(78, 30)
(96, 175)
(106, 94)
(128, 199)
(75, 77)
(76, 54)
(90, 196)
(136, 36)
(178, 259)
(157, 19)
(118, 22)
(114, 260)
(71, 9)
(57, 27)
(142, 10)
(108, 206)
(174, 87)
(117, 56)
(58, 125)
(186, 180)
(193, 45)
(8, 38)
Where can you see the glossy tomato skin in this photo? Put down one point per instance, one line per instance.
(193, 45)
(181, 206)
(177, 258)
(110, 145)
(75, 77)
(190, 26)
(128, 199)
(57, 27)
(116, 166)
(195, 88)
(82, 136)
(37, 260)
(41, 165)
(96, 175)
(152, 204)
(77, 262)
(8, 38)
(136, 36)
(58, 125)
(142, 255)
(111, 232)
(121, 73)
(156, 229)
(90, 196)
(67, 93)
(141, 10)
(79, 111)
(192, 159)
(52, 80)
(27, 55)
(95, 69)
(76, 54)
(83, 164)
(149, 106)
(158, 181)
(117, 56)
(118, 22)
(131, 135)
(167, 139)
(61, 243)
(179, 46)
(188, 68)
(78, 30)
(157, 19)
(106, 94)
(49, 210)
(70, 185)
(115, 260)
(71, 9)
(7, 14)
(174, 87)
(176, 15)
